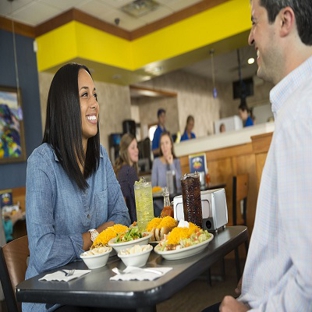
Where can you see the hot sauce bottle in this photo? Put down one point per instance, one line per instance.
(167, 210)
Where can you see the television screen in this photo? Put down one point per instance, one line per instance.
(244, 87)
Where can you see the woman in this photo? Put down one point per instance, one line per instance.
(71, 190)
(167, 161)
(188, 134)
(126, 170)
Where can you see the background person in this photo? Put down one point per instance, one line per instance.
(8, 222)
(188, 134)
(277, 274)
(161, 115)
(244, 114)
(71, 190)
(166, 161)
(126, 170)
(222, 128)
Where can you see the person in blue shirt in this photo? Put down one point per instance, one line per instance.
(244, 114)
(8, 221)
(188, 134)
(161, 115)
(72, 193)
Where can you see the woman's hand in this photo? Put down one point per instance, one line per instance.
(230, 304)
(169, 159)
(87, 237)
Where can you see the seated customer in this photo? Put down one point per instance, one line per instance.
(126, 170)
(167, 161)
(8, 223)
(72, 193)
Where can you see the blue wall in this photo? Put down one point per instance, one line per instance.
(14, 174)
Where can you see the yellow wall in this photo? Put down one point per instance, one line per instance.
(76, 40)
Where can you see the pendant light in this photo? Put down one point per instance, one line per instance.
(214, 88)
(19, 110)
(241, 82)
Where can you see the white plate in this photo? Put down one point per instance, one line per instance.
(124, 245)
(184, 252)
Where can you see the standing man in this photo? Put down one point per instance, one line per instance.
(161, 115)
(278, 272)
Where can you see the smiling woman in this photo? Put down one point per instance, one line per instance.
(72, 192)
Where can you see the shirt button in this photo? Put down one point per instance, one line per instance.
(88, 216)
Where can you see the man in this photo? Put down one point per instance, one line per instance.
(161, 115)
(278, 270)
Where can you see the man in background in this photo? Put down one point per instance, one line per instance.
(161, 115)
(278, 274)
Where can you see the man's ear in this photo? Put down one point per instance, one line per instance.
(287, 21)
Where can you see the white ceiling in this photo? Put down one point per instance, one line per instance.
(35, 12)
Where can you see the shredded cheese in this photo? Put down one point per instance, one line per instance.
(152, 224)
(179, 233)
(105, 236)
(167, 222)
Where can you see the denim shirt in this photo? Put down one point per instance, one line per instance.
(58, 212)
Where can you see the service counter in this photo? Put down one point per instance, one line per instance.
(229, 154)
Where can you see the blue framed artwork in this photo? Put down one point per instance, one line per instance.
(197, 163)
(12, 139)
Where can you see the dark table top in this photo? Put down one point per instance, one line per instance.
(97, 290)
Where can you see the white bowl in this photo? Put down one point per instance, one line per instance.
(124, 245)
(136, 259)
(97, 260)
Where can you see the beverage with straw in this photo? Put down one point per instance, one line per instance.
(144, 203)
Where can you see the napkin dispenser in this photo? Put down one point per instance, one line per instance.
(214, 209)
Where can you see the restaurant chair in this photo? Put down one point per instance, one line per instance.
(13, 265)
(239, 206)
(240, 193)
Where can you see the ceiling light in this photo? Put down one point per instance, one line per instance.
(251, 60)
(140, 7)
(154, 70)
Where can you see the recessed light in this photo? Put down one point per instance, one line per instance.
(154, 70)
(140, 7)
(251, 60)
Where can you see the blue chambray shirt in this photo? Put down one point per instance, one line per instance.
(58, 212)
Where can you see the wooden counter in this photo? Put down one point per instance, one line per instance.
(224, 163)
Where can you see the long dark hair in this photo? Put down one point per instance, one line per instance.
(123, 158)
(188, 119)
(63, 128)
(171, 140)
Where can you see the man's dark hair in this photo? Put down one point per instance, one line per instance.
(63, 128)
(303, 13)
(160, 111)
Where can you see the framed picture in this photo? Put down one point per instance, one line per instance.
(197, 163)
(12, 139)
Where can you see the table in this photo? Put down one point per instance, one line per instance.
(95, 289)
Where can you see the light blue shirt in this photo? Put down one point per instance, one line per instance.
(278, 271)
(58, 212)
(159, 171)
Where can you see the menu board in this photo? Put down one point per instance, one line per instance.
(197, 163)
